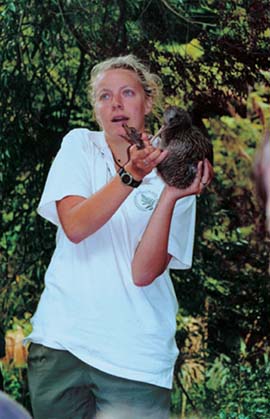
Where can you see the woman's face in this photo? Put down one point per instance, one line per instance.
(120, 99)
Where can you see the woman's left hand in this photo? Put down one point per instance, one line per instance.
(203, 178)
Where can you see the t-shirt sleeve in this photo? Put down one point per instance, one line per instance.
(68, 175)
(181, 239)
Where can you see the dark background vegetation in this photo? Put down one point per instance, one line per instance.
(213, 58)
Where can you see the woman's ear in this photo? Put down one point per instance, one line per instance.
(148, 105)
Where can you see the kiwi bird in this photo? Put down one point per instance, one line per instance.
(261, 172)
(186, 146)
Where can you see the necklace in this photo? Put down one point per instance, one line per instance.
(116, 161)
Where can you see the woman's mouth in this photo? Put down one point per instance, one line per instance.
(120, 118)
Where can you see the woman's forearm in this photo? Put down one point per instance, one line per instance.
(81, 217)
(151, 257)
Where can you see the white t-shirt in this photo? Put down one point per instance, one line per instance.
(90, 305)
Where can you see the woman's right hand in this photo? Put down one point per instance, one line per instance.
(143, 161)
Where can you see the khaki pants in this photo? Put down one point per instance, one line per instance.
(63, 387)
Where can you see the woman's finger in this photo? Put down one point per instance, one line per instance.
(162, 155)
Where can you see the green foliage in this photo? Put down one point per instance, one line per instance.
(213, 58)
(15, 384)
(219, 373)
(245, 393)
(229, 391)
(232, 51)
(229, 282)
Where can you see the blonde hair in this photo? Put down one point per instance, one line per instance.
(150, 82)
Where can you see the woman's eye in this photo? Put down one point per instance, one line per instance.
(128, 92)
(104, 96)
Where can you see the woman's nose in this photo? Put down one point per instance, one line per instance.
(117, 102)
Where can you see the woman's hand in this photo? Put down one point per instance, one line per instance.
(203, 178)
(142, 161)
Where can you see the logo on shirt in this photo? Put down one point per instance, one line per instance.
(145, 200)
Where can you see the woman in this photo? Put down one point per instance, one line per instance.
(103, 334)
